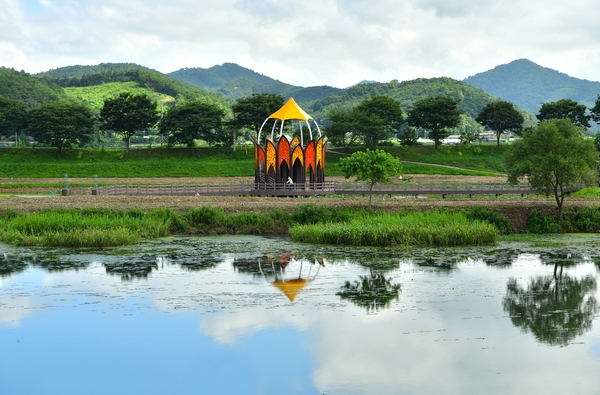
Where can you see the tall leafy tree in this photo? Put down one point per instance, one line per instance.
(596, 111)
(13, 116)
(60, 124)
(502, 117)
(552, 156)
(382, 116)
(436, 114)
(565, 108)
(372, 120)
(191, 121)
(344, 129)
(371, 166)
(128, 113)
(250, 112)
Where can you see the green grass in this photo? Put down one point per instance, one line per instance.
(587, 193)
(411, 229)
(213, 162)
(149, 163)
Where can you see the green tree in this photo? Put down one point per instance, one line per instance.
(60, 124)
(371, 166)
(191, 121)
(565, 108)
(372, 120)
(344, 129)
(436, 114)
(501, 117)
(552, 156)
(381, 116)
(128, 114)
(596, 111)
(13, 116)
(252, 111)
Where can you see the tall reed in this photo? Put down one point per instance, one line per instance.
(411, 229)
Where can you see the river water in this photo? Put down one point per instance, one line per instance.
(258, 315)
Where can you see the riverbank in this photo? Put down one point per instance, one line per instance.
(517, 210)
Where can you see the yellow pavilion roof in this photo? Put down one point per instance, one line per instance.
(290, 110)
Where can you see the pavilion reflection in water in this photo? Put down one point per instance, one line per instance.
(289, 275)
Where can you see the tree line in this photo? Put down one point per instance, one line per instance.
(64, 124)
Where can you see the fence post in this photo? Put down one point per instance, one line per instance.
(66, 191)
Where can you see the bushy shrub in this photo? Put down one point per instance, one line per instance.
(492, 217)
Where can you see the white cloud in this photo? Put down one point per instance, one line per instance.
(307, 43)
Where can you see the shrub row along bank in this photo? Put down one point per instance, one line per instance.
(103, 228)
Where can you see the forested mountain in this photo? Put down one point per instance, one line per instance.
(472, 99)
(235, 81)
(30, 89)
(529, 85)
(79, 71)
(94, 88)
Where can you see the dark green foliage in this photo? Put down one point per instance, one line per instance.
(209, 220)
(565, 108)
(80, 71)
(60, 124)
(191, 121)
(436, 114)
(595, 112)
(501, 117)
(586, 220)
(251, 112)
(13, 116)
(471, 99)
(382, 118)
(129, 113)
(31, 90)
(364, 123)
(492, 217)
(527, 85)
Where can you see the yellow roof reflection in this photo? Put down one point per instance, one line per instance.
(290, 110)
(291, 288)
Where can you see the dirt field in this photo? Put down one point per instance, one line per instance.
(516, 209)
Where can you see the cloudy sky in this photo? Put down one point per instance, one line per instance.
(310, 42)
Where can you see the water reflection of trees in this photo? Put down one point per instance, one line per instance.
(11, 265)
(555, 308)
(373, 292)
(133, 268)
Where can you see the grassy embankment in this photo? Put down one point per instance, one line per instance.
(308, 223)
(216, 162)
(103, 228)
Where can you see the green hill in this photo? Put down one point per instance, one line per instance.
(30, 89)
(528, 85)
(109, 83)
(79, 71)
(234, 82)
(95, 95)
(472, 100)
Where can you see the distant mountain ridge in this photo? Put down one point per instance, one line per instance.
(235, 81)
(528, 85)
